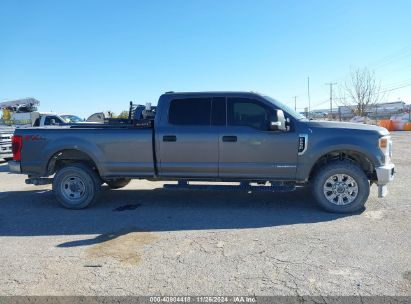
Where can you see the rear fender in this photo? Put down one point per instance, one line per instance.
(91, 150)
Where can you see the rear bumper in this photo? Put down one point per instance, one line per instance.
(14, 167)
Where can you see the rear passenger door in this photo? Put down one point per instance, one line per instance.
(188, 144)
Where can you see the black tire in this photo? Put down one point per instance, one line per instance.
(330, 171)
(76, 180)
(118, 183)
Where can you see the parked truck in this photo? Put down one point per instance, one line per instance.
(6, 134)
(22, 113)
(35, 119)
(240, 137)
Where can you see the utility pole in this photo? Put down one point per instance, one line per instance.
(331, 97)
(309, 98)
(295, 103)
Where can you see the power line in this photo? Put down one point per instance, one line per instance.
(385, 90)
(397, 88)
(396, 84)
(389, 88)
(394, 54)
(386, 60)
(320, 103)
(402, 53)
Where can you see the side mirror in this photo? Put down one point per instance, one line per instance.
(278, 121)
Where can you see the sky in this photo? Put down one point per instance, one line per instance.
(87, 56)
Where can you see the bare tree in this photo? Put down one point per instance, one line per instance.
(362, 91)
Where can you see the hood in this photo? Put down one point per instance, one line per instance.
(348, 126)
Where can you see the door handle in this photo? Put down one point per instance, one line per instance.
(229, 138)
(169, 138)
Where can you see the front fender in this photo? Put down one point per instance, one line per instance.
(318, 148)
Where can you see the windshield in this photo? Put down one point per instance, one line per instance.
(71, 118)
(284, 107)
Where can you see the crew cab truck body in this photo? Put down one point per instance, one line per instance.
(211, 136)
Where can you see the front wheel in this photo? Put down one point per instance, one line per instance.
(76, 186)
(341, 187)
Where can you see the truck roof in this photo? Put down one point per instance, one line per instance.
(214, 93)
(49, 113)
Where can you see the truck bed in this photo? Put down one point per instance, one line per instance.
(115, 150)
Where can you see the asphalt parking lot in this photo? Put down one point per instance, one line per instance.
(143, 240)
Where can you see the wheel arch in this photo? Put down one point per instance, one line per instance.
(354, 156)
(66, 156)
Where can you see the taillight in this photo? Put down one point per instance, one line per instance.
(16, 145)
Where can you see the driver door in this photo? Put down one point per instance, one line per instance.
(248, 149)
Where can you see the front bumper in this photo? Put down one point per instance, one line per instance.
(14, 167)
(385, 174)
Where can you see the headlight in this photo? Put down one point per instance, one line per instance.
(385, 145)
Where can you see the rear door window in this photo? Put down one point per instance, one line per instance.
(190, 111)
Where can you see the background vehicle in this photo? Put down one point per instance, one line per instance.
(47, 119)
(14, 112)
(68, 118)
(212, 136)
(5, 142)
(22, 113)
(100, 117)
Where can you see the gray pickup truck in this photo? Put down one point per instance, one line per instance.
(240, 137)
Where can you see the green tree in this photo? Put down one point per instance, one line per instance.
(123, 114)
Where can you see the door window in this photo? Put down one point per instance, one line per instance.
(190, 111)
(248, 112)
(51, 120)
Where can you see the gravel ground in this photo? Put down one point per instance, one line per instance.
(143, 240)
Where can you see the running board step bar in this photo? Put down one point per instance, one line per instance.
(37, 181)
(241, 187)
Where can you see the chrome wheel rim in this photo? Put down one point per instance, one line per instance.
(73, 188)
(340, 189)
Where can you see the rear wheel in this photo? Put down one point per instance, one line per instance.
(76, 186)
(118, 183)
(341, 187)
